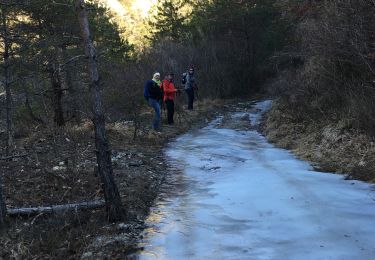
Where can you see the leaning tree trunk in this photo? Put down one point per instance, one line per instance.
(8, 95)
(2, 206)
(103, 153)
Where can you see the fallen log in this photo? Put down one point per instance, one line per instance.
(55, 208)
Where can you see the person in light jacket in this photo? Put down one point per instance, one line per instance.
(190, 86)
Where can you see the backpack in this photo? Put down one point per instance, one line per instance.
(184, 78)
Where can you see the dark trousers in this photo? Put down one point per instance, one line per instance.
(190, 95)
(170, 110)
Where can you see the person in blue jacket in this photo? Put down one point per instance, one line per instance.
(153, 95)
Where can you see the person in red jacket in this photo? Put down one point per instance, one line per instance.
(169, 96)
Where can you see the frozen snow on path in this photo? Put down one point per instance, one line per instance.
(239, 197)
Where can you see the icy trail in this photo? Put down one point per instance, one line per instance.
(239, 197)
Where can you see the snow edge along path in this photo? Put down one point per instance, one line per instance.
(239, 197)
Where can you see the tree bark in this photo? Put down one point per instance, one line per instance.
(103, 154)
(2, 206)
(58, 117)
(8, 94)
(55, 208)
(67, 79)
(58, 86)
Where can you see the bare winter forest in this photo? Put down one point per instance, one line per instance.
(78, 156)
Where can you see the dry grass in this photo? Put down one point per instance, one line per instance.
(326, 89)
(333, 147)
(139, 169)
(329, 70)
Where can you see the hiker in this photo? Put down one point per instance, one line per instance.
(188, 82)
(153, 95)
(169, 96)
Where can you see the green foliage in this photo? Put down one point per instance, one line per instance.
(106, 34)
(252, 30)
(54, 25)
(47, 48)
(23, 113)
(169, 23)
(255, 21)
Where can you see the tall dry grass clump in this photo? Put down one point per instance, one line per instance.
(334, 42)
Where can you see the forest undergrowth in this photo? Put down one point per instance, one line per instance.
(61, 170)
(325, 86)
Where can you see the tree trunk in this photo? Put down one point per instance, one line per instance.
(2, 206)
(8, 94)
(57, 79)
(67, 78)
(103, 154)
(58, 117)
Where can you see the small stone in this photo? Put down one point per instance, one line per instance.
(123, 226)
(135, 164)
(362, 163)
(87, 255)
(58, 168)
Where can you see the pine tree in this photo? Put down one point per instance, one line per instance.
(53, 51)
(6, 69)
(168, 23)
(112, 197)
